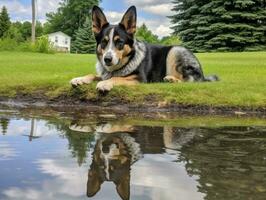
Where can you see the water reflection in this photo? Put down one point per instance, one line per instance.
(4, 125)
(105, 160)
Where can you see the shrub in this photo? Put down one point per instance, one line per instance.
(8, 44)
(43, 45)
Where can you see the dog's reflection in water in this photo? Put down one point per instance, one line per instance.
(114, 153)
(117, 147)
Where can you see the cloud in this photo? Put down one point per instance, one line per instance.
(6, 151)
(162, 30)
(160, 24)
(22, 12)
(114, 17)
(157, 7)
(161, 9)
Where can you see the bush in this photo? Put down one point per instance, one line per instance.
(8, 44)
(170, 40)
(43, 45)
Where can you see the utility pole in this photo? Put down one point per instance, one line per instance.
(33, 5)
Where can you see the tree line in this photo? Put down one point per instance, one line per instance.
(200, 25)
(220, 25)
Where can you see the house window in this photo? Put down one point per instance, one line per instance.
(66, 40)
(56, 39)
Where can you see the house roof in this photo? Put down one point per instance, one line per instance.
(59, 32)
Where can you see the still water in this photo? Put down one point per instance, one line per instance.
(100, 158)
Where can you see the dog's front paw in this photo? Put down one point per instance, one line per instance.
(104, 86)
(80, 81)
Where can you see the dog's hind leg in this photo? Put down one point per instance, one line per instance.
(85, 80)
(173, 63)
(172, 79)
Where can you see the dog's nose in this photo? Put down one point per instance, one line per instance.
(108, 60)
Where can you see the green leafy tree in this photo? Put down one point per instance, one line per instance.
(4, 21)
(70, 16)
(26, 30)
(170, 40)
(221, 25)
(144, 34)
(85, 41)
(79, 143)
(14, 33)
(4, 122)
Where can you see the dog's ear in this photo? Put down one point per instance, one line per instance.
(129, 20)
(123, 187)
(94, 182)
(98, 20)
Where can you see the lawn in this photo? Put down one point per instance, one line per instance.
(243, 79)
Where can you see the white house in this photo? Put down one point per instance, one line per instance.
(61, 41)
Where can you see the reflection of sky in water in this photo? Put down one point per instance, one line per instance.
(45, 169)
(6, 151)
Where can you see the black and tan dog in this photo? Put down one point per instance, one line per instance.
(114, 153)
(123, 60)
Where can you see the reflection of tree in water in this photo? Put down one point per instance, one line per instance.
(4, 122)
(79, 142)
(230, 162)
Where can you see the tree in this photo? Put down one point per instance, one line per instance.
(4, 122)
(26, 30)
(14, 33)
(144, 34)
(223, 25)
(70, 16)
(4, 21)
(170, 40)
(84, 42)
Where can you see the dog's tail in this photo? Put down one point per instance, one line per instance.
(212, 78)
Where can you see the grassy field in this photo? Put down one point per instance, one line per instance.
(243, 79)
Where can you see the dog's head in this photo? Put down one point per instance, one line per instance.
(111, 162)
(114, 42)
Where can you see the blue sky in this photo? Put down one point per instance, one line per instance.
(152, 12)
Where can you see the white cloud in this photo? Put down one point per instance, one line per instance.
(22, 12)
(6, 151)
(160, 9)
(142, 3)
(113, 17)
(159, 26)
(157, 7)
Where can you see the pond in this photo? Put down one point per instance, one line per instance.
(109, 157)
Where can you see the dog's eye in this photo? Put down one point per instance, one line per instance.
(104, 44)
(119, 44)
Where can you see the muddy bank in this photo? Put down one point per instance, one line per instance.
(117, 105)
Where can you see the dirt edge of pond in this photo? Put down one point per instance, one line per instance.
(121, 106)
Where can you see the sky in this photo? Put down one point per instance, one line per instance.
(153, 12)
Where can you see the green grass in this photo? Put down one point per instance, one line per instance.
(243, 79)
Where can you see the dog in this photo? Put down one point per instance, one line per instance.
(117, 147)
(114, 153)
(123, 60)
